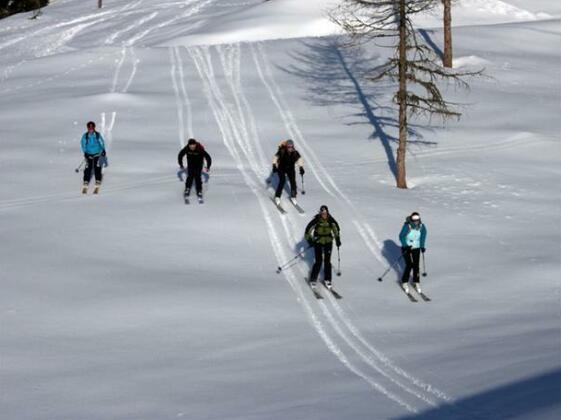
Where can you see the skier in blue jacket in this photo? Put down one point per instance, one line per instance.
(93, 147)
(412, 237)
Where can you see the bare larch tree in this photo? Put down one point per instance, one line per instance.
(415, 66)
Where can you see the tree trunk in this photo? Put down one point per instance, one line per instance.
(447, 58)
(99, 4)
(402, 98)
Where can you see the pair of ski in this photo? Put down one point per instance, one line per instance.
(294, 203)
(318, 295)
(188, 201)
(414, 299)
(95, 190)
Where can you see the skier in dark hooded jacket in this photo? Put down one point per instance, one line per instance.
(196, 156)
(320, 233)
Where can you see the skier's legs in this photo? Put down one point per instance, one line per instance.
(318, 250)
(408, 266)
(189, 182)
(190, 178)
(199, 183)
(416, 254)
(97, 170)
(282, 180)
(293, 186)
(327, 261)
(88, 170)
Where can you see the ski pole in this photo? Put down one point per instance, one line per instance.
(424, 266)
(303, 190)
(390, 267)
(338, 262)
(80, 166)
(285, 265)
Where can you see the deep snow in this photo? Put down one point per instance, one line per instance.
(131, 305)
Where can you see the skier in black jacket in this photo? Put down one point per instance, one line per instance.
(196, 155)
(284, 164)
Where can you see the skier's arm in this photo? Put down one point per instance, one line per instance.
(423, 236)
(181, 155)
(403, 235)
(102, 142)
(208, 160)
(309, 228)
(299, 162)
(83, 143)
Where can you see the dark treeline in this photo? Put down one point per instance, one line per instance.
(9, 7)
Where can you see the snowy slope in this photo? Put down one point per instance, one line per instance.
(131, 305)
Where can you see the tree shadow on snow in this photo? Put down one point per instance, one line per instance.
(335, 76)
(426, 34)
(535, 397)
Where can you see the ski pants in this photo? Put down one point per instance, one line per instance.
(322, 254)
(194, 174)
(92, 164)
(411, 258)
(282, 179)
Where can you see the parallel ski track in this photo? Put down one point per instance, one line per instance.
(234, 120)
(364, 229)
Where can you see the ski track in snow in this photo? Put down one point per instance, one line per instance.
(232, 139)
(266, 75)
(236, 122)
(193, 7)
(364, 229)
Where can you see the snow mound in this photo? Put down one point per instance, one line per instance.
(481, 12)
(278, 19)
(470, 61)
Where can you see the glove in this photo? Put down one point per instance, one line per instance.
(311, 242)
(302, 171)
(274, 169)
(423, 250)
(338, 242)
(405, 249)
(104, 153)
(205, 170)
(181, 166)
(86, 156)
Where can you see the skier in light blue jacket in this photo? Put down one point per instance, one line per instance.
(412, 237)
(93, 147)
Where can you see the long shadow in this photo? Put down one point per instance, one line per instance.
(391, 251)
(430, 42)
(538, 397)
(334, 76)
(307, 257)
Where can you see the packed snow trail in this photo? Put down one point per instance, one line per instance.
(229, 127)
(239, 118)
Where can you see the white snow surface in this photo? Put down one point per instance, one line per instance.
(132, 305)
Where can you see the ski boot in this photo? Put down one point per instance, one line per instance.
(405, 287)
(84, 188)
(417, 287)
(327, 284)
(97, 187)
(277, 201)
(200, 197)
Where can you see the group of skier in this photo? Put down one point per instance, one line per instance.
(321, 231)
